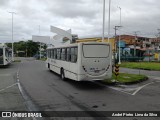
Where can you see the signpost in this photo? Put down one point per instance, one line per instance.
(116, 70)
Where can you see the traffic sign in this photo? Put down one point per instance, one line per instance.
(116, 70)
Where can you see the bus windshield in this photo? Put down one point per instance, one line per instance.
(96, 50)
(1, 52)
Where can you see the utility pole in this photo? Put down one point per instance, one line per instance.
(119, 39)
(103, 25)
(115, 43)
(135, 35)
(109, 20)
(12, 36)
(104, 20)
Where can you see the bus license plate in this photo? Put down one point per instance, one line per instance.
(96, 71)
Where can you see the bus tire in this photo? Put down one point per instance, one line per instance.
(49, 67)
(62, 74)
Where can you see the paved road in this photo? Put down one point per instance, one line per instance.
(49, 93)
(45, 91)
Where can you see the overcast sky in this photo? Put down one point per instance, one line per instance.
(84, 17)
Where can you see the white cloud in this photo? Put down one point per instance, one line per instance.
(84, 17)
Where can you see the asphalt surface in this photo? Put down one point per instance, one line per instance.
(45, 91)
(10, 95)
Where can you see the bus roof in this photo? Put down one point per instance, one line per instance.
(76, 44)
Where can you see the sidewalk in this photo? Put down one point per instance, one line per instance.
(148, 73)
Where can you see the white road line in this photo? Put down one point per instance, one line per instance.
(8, 87)
(141, 87)
(120, 90)
(21, 91)
(136, 89)
(114, 88)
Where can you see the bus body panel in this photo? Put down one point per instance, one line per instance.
(96, 66)
(5, 55)
(71, 74)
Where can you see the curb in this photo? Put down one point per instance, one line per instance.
(125, 83)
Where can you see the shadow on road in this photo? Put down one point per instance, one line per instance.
(84, 85)
(7, 66)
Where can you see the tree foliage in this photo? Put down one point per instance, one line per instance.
(28, 48)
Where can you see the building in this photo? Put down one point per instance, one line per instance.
(98, 39)
(155, 43)
(131, 46)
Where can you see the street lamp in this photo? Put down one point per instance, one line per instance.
(115, 44)
(103, 25)
(104, 20)
(119, 38)
(12, 36)
(109, 20)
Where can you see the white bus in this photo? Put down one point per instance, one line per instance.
(5, 55)
(81, 61)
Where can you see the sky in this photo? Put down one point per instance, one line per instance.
(83, 17)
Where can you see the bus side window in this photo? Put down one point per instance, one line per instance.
(58, 54)
(52, 53)
(48, 53)
(68, 54)
(63, 54)
(55, 53)
(74, 54)
(1, 52)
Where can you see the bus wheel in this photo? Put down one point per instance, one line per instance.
(49, 67)
(62, 74)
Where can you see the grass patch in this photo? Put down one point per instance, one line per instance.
(125, 78)
(43, 59)
(142, 65)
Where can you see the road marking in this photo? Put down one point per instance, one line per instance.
(25, 97)
(117, 89)
(8, 87)
(133, 91)
(141, 87)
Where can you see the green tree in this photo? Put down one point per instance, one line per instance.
(29, 47)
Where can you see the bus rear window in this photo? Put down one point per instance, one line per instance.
(96, 50)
